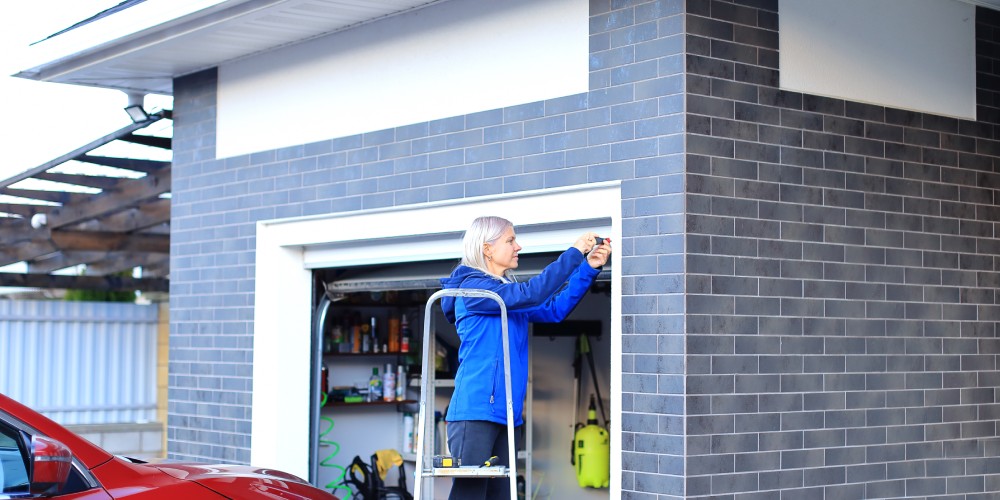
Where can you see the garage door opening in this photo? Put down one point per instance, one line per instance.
(290, 253)
(348, 423)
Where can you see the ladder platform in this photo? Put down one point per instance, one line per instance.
(468, 471)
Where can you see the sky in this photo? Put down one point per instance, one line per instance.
(42, 121)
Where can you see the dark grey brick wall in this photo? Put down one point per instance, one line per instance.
(842, 268)
(629, 127)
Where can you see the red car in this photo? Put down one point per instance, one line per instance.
(41, 458)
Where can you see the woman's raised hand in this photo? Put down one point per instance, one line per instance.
(600, 254)
(585, 242)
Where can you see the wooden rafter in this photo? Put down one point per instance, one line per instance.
(145, 216)
(102, 241)
(107, 283)
(61, 260)
(149, 140)
(114, 262)
(145, 166)
(63, 197)
(91, 181)
(23, 209)
(128, 193)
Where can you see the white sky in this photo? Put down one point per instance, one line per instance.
(42, 121)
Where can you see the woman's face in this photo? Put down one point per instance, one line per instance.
(501, 254)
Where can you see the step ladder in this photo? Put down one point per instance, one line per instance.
(425, 466)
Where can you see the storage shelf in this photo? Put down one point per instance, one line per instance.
(340, 404)
(364, 354)
(438, 382)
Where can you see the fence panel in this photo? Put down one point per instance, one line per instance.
(80, 362)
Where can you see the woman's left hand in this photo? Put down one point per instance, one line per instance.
(600, 254)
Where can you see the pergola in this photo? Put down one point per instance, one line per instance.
(111, 222)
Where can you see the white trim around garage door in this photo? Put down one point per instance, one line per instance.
(288, 250)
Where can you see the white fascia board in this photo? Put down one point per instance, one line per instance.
(114, 34)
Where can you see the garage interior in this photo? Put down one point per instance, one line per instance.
(343, 430)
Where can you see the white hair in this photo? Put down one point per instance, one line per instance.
(483, 230)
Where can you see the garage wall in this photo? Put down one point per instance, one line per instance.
(843, 273)
(628, 127)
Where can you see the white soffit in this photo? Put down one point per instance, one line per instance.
(143, 48)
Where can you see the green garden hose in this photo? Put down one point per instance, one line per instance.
(337, 483)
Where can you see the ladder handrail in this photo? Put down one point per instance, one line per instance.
(425, 382)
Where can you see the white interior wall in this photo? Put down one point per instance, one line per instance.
(911, 54)
(453, 58)
(553, 415)
(282, 308)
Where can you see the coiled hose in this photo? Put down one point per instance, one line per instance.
(337, 483)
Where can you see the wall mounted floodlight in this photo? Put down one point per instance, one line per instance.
(134, 107)
(136, 113)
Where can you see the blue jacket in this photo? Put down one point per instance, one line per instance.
(479, 384)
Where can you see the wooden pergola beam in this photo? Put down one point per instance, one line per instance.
(114, 262)
(106, 283)
(149, 140)
(63, 197)
(91, 181)
(136, 165)
(147, 215)
(128, 193)
(62, 260)
(103, 241)
(23, 209)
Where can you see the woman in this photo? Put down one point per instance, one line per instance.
(477, 415)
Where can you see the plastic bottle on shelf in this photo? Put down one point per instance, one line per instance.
(400, 383)
(374, 335)
(347, 343)
(408, 441)
(404, 343)
(374, 386)
(393, 333)
(336, 338)
(366, 337)
(355, 335)
(389, 383)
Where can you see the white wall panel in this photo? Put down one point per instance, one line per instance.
(80, 362)
(910, 54)
(453, 58)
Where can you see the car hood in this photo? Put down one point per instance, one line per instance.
(243, 481)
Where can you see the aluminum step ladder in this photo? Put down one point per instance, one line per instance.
(424, 466)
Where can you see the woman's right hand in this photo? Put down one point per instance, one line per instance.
(586, 242)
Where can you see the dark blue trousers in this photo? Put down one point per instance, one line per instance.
(474, 441)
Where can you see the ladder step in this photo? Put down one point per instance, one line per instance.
(468, 471)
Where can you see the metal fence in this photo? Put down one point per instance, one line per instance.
(80, 362)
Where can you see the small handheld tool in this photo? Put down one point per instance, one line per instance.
(490, 461)
(445, 461)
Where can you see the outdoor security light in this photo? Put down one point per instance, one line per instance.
(136, 113)
(134, 107)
